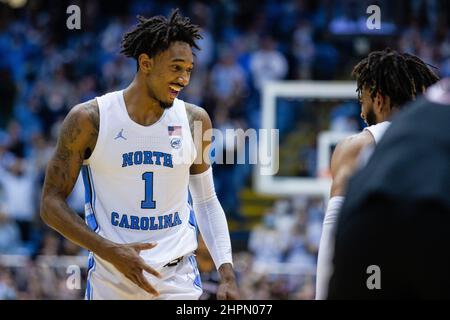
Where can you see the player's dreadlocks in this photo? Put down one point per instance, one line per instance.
(154, 35)
(400, 76)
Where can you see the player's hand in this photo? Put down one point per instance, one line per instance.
(228, 289)
(126, 259)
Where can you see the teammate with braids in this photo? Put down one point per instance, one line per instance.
(138, 159)
(386, 81)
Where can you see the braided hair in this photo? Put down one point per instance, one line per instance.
(156, 34)
(400, 76)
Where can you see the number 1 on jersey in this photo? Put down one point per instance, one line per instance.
(148, 202)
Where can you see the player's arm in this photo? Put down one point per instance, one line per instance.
(209, 213)
(343, 164)
(78, 134)
(77, 139)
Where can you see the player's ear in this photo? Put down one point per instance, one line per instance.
(379, 101)
(145, 63)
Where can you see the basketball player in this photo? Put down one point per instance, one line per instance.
(392, 234)
(386, 80)
(138, 159)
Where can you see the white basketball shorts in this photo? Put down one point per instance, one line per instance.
(178, 282)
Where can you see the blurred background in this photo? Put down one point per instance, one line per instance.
(46, 69)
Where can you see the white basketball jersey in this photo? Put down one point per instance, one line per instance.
(137, 179)
(377, 130)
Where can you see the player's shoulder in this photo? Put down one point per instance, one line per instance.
(350, 147)
(345, 158)
(86, 113)
(196, 113)
(81, 126)
(86, 108)
(357, 140)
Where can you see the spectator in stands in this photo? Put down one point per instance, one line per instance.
(7, 288)
(267, 63)
(10, 240)
(18, 182)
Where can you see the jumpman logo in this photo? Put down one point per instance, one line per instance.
(120, 135)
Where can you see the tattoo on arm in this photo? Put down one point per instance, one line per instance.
(194, 114)
(78, 134)
(202, 142)
(191, 117)
(94, 116)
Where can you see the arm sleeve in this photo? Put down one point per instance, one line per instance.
(326, 247)
(210, 217)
